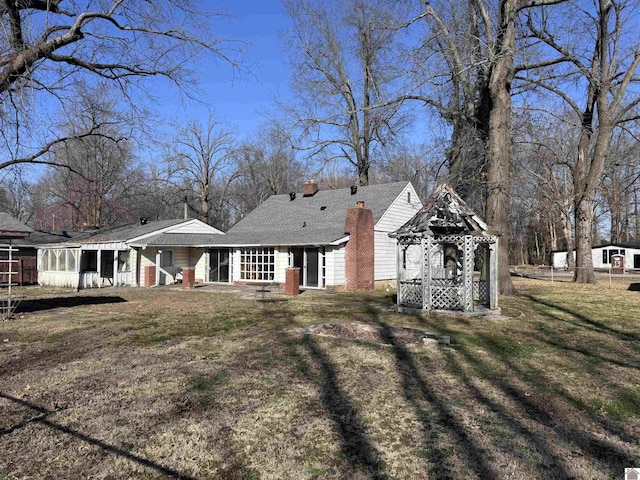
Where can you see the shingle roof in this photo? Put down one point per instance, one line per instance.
(127, 232)
(42, 237)
(314, 220)
(444, 212)
(12, 228)
(180, 240)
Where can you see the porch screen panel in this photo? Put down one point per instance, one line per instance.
(71, 261)
(62, 261)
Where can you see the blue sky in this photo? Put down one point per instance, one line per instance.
(239, 97)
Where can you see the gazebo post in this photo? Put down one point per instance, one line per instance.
(399, 271)
(493, 275)
(426, 264)
(467, 273)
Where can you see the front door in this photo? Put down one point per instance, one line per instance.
(636, 261)
(219, 260)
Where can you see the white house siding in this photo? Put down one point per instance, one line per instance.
(147, 259)
(199, 260)
(193, 227)
(59, 279)
(334, 265)
(282, 263)
(400, 212)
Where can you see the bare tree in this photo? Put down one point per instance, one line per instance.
(620, 181)
(48, 46)
(597, 81)
(342, 52)
(99, 176)
(202, 167)
(16, 194)
(267, 166)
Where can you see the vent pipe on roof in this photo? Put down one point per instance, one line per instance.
(292, 196)
(143, 220)
(354, 189)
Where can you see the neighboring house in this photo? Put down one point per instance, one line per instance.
(143, 254)
(307, 230)
(26, 253)
(602, 255)
(11, 231)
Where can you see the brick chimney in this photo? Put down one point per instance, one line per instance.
(359, 252)
(310, 188)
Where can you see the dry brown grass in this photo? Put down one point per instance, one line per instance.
(201, 384)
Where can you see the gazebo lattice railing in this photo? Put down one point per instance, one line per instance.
(441, 288)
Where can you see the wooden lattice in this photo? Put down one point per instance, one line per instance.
(410, 293)
(445, 298)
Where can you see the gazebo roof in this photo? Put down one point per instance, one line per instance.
(444, 213)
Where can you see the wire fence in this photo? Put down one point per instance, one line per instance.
(564, 274)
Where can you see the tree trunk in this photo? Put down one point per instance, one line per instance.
(499, 141)
(568, 236)
(584, 260)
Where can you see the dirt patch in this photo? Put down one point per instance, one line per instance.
(389, 336)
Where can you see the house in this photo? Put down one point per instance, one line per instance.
(26, 253)
(321, 232)
(141, 254)
(11, 230)
(602, 256)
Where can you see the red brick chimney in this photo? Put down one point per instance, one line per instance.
(310, 188)
(359, 253)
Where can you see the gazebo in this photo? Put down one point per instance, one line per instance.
(447, 258)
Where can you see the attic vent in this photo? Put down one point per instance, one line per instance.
(354, 189)
(324, 207)
(292, 196)
(143, 220)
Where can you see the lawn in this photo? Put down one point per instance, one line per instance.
(200, 384)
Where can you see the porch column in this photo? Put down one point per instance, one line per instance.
(99, 267)
(158, 256)
(493, 275)
(115, 268)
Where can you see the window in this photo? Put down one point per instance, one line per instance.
(257, 264)
(612, 252)
(408, 197)
(166, 258)
(123, 261)
(605, 258)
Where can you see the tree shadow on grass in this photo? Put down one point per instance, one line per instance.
(608, 456)
(416, 389)
(42, 419)
(354, 441)
(41, 304)
(582, 320)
